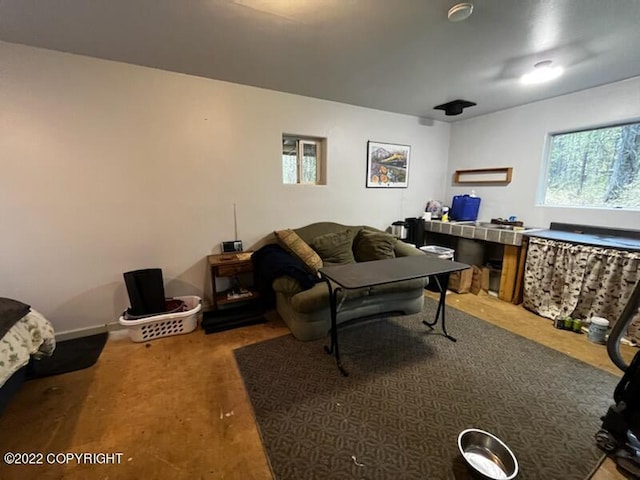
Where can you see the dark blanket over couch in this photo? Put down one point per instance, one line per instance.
(273, 261)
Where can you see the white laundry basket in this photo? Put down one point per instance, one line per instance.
(440, 252)
(165, 324)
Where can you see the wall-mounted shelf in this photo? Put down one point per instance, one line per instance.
(500, 176)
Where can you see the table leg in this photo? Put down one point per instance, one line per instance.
(442, 303)
(333, 302)
(442, 281)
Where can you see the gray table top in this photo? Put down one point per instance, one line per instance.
(379, 272)
(598, 240)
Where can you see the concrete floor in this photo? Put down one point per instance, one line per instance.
(176, 408)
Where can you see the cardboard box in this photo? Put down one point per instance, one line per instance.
(460, 282)
(476, 281)
(485, 279)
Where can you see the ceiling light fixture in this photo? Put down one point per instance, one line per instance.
(454, 107)
(460, 12)
(542, 72)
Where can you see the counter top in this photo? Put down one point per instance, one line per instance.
(466, 230)
(598, 240)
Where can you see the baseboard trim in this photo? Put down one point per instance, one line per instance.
(86, 332)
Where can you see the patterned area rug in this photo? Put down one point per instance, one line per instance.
(411, 391)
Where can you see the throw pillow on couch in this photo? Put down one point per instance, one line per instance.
(334, 248)
(371, 245)
(292, 242)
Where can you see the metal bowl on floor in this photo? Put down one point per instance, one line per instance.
(486, 455)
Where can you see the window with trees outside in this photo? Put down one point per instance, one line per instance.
(302, 160)
(594, 168)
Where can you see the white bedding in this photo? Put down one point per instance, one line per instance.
(33, 335)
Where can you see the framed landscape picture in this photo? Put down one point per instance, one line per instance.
(387, 165)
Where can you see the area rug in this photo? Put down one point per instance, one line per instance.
(410, 392)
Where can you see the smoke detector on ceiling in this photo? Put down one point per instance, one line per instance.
(454, 107)
(460, 12)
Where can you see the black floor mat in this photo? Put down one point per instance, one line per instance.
(219, 320)
(68, 356)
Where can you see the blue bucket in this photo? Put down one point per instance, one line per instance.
(464, 208)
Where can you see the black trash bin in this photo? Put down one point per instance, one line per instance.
(146, 291)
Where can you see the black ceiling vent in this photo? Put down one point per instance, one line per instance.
(454, 107)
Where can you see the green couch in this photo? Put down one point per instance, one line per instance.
(307, 312)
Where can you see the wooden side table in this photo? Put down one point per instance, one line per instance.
(231, 265)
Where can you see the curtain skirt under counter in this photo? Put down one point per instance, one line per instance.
(580, 281)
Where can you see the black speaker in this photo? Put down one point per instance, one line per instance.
(146, 291)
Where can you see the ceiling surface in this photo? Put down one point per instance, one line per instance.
(402, 56)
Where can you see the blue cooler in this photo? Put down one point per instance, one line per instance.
(464, 208)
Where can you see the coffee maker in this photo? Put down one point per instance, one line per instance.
(415, 231)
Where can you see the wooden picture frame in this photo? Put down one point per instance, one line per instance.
(387, 165)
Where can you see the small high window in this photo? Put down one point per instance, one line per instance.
(594, 168)
(303, 160)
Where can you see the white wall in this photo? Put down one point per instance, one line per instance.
(516, 138)
(108, 167)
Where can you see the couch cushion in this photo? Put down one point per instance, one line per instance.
(286, 285)
(298, 247)
(334, 248)
(371, 245)
(402, 249)
(317, 297)
(397, 287)
(313, 230)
